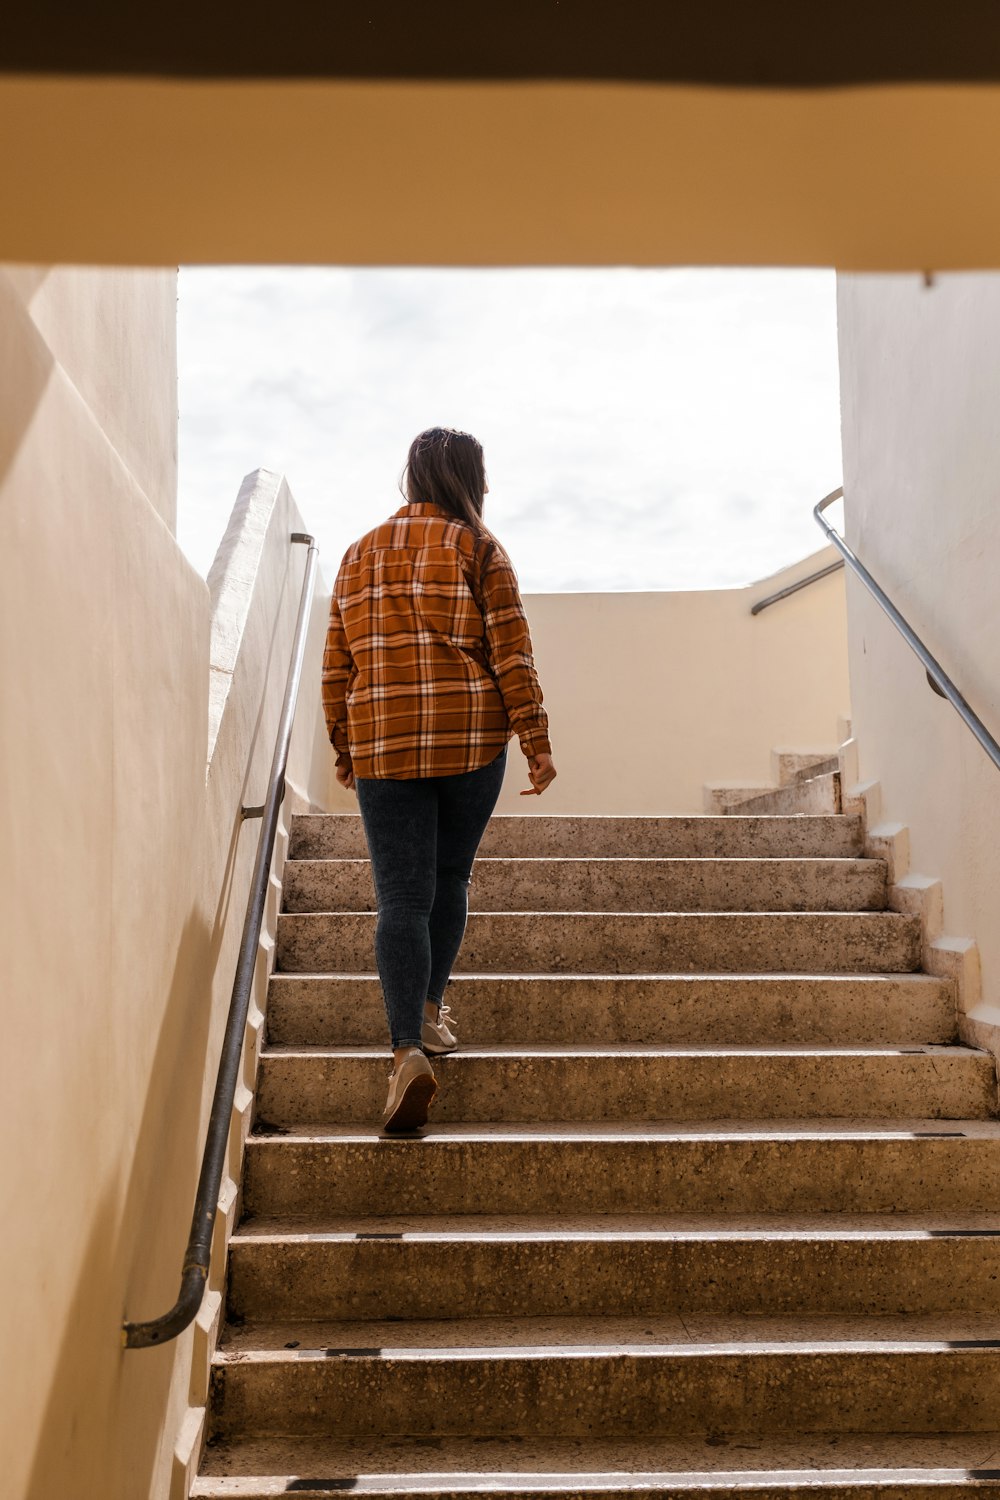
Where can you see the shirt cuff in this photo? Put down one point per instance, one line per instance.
(535, 744)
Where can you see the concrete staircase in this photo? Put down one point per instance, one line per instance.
(805, 781)
(710, 1198)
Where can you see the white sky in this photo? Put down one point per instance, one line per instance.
(643, 429)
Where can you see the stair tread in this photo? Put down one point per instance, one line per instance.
(559, 1337)
(651, 1049)
(655, 976)
(870, 915)
(846, 1129)
(820, 831)
(625, 879)
(486, 1463)
(306, 819)
(518, 1227)
(825, 861)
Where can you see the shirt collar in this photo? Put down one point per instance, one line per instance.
(420, 508)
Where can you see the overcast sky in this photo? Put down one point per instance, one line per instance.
(643, 429)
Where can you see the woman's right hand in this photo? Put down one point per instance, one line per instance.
(541, 773)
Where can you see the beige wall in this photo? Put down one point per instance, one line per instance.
(132, 321)
(113, 171)
(123, 880)
(920, 375)
(650, 695)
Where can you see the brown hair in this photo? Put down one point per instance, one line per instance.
(446, 468)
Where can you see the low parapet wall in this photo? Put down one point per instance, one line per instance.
(651, 695)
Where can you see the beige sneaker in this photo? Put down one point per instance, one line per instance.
(437, 1036)
(411, 1088)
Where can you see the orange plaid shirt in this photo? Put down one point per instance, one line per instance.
(428, 668)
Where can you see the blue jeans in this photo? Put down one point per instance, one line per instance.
(422, 837)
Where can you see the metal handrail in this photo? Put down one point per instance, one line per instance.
(936, 675)
(793, 588)
(194, 1272)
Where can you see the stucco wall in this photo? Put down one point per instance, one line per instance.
(651, 695)
(920, 376)
(123, 881)
(132, 320)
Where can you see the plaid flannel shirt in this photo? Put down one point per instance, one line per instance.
(428, 669)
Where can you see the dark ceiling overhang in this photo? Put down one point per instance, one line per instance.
(734, 43)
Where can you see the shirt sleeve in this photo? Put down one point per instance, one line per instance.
(508, 646)
(338, 672)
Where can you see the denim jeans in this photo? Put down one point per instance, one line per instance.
(422, 837)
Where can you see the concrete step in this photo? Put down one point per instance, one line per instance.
(347, 1085)
(788, 768)
(554, 1267)
(809, 772)
(512, 1377)
(340, 836)
(808, 794)
(315, 1010)
(841, 1466)
(720, 797)
(548, 942)
(801, 765)
(922, 1166)
(634, 885)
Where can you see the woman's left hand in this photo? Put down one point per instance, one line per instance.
(345, 775)
(541, 773)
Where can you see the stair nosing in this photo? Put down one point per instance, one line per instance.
(833, 1128)
(721, 1232)
(614, 1349)
(298, 861)
(555, 1050)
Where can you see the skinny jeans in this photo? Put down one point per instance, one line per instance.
(422, 835)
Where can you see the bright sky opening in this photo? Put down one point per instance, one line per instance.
(643, 429)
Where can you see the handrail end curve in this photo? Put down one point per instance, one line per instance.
(820, 506)
(184, 1311)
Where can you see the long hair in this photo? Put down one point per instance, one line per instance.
(446, 468)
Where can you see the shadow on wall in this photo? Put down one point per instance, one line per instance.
(26, 367)
(130, 1242)
(125, 880)
(252, 792)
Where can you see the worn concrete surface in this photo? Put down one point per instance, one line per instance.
(603, 1386)
(763, 1167)
(319, 1010)
(347, 1086)
(568, 942)
(628, 885)
(340, 836)
(703, 1202)
(851, 1466)
(470, 1272)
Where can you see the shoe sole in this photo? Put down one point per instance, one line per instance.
(411, 1110)
(433, 1050)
